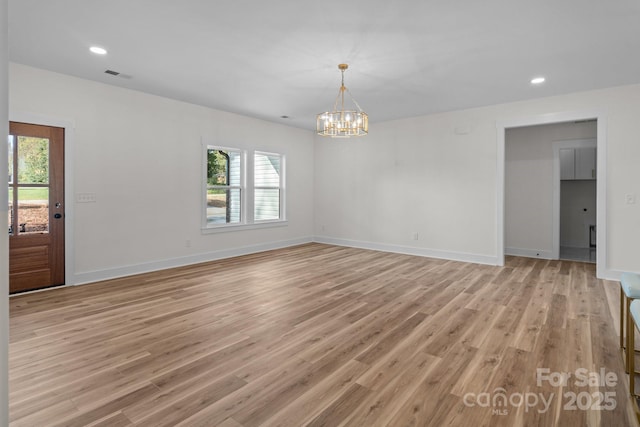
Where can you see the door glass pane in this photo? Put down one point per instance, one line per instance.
(33, 160)
(33, 210)
(223, 206)
(10, 142)
(10, 216)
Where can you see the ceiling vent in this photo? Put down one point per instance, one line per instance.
(118, 74)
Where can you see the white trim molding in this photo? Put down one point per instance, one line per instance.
(129, 270)
(409, 250)
(529, 253)
(615, 274)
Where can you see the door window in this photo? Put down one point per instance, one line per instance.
(28, 185)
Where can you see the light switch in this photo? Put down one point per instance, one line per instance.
(631, 199)
(86, 197)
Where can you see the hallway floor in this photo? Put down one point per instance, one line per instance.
(578, 254)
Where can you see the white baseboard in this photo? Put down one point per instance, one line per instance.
(114, 273)
(129, 270)
(529, 253)
(615, 274)
(607, 274)
(409, 250)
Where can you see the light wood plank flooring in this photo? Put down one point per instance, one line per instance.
(318, 335)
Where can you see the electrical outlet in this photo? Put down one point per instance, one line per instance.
(415, 236)
(187, 243)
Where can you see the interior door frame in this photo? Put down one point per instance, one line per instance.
(69, 190)
(557, 145)
(602, 268)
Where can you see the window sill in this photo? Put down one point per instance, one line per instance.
(241, 227)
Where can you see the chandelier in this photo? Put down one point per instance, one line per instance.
(341, 122)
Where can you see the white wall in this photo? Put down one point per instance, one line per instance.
(142, 155)
(529, 184)
(421, 175)
(4, 237)
(575, 197)
(432, 175)
(411, 176)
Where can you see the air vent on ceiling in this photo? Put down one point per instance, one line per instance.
(118, 74)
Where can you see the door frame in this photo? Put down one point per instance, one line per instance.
(602, 268)
(69, 190)
(557, 145)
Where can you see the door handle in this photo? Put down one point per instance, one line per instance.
(57, 216)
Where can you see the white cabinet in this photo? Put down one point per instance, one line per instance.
(586, 163)
(567, 163)
(578, 163)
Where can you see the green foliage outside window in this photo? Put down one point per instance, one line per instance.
(34, 160)
(217, 167)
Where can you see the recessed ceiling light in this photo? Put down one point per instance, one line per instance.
(98, 50)
(537, 80)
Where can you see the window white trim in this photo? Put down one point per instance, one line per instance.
(247, 192)
(240, 227)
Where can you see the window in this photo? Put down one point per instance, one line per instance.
(267, 179)
(242, 189)
(224, 186)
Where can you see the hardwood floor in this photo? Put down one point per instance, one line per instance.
(319, 335)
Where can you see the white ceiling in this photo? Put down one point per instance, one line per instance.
(270, 58)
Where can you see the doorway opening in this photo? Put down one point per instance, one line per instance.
(576, 187)
(598, 236)
(550, 191)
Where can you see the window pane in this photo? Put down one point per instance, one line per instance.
(33, 210)
(267, 204)
(223, 206)
(33, 160)
(10, 216)
(217, 167)
(223, 167)
(10, 143)
(267, 170)
(234, 168)
(224, 183)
